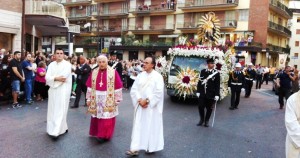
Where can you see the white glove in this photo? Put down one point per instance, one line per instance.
(217, 98)
(254, 81)
(198, 94)
(243, 89)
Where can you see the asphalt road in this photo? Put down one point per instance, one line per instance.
(255, 130)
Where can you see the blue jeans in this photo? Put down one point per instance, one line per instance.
(28, 89)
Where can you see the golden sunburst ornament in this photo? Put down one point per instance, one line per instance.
(187, 80)
(209, 28)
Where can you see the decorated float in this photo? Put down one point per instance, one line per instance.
(189, 58)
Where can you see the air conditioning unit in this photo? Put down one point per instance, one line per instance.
(80, 7)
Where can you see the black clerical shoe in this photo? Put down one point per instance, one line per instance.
(54, 137)
(231, 108)
(101, 140)
(236, 107)
(206, 124)
(200, 123)
(72, 107)
(149, 153)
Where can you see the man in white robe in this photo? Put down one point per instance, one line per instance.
(292, 123)
(59, 79)
(147, 95)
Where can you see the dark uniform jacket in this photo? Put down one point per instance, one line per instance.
(236, 79)
(83, 73)
(250, 74)
(212, 88)
(118, 67)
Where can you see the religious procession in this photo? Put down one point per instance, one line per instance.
(128, 99)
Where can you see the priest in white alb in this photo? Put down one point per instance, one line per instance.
(59, 79)
(292, 123)
(147, 94)
(103, 96)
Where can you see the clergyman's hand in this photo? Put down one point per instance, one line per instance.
(144, 103)
(139, 101)
(88, 103)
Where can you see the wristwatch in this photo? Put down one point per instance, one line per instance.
(147, 100)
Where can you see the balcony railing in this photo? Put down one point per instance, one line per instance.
(74, 1)
(74, 16)
(223, 23)
(281, 6)
(280, 28)
(151, 27)
(278, 48)
(206, 3)
(104, 28)
(113, 12)
(45, 8)
(252, 44)
(152, 8)
(74, 28)
(149, 44)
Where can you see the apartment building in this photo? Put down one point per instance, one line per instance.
(294, 59)
(10, 25)
(23, 24)
(139, 28)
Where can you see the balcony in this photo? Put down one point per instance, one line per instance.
(108, 1)
(112, 30)
(207, 5)
(73, 3)
(280, 8)
(48, 17)
(113, 13)
(74, 29)
(253, 46)
(279, 29)
(76, 17)
(277, 49)
(189, 27)
(151, 29)
(152, 10)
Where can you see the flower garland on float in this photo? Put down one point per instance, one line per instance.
(187, 79)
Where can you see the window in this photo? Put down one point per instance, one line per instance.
(298, 20)
(243, 15)
(298, 31)
(296, 43)
(296, 54)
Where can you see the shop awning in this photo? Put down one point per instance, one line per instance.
(9, 29)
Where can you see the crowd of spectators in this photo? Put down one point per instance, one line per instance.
(22, 75)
